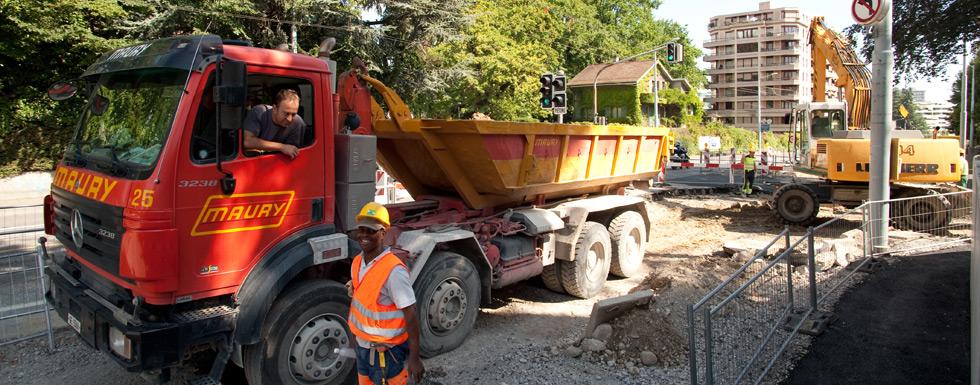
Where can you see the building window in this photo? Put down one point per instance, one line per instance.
(770, 104)
(753, 47)
(790, 59)
(790, 29)
(617, 112)
(744, 33)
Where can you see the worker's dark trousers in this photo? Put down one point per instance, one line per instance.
(749, 181)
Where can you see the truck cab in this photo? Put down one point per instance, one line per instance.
(170, 246)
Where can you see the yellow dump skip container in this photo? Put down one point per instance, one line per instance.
(492, 163)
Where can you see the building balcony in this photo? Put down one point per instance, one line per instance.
(779, 66)
(721, 70)
(719, 42)
(723, 56)
(781, 36)
(783, 51)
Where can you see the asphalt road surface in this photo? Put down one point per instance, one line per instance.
(908, 323)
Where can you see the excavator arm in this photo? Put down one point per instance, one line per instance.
(853, 75)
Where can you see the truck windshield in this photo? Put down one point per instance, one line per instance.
(126, 123)
(824, 123)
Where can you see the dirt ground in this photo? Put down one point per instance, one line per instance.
(522, 336)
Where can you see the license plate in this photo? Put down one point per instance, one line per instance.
(74, 323)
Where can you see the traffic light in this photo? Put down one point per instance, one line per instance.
(546, 94)
(558, 97)
(674, 53)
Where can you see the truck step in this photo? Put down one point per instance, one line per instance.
(203, 381)
(205, 313)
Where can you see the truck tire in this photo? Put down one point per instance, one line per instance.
(586, 275)
(306, 323)
(551, 276)
(628, 236)
(796, 204)
(929, 213)
(448, 296)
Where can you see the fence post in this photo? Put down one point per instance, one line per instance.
(709, 364)
(812, 262)
(692, 345)
(789, 270)
(41, 252)
(975, 282)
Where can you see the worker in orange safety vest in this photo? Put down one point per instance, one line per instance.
(383, 314)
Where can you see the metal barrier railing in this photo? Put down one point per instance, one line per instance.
(738, 331)
(23, 310)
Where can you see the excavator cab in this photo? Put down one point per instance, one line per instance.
(825, 122)
(812, 121)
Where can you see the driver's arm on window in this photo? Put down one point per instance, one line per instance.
(252, 142)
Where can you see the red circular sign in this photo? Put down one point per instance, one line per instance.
(869, 12)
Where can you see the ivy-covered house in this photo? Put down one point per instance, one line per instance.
(625, 92)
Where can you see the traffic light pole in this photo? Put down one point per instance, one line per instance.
(656, 90)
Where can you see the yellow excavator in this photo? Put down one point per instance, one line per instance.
(834, 144)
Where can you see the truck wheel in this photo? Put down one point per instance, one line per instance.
(585, 276)
(448, 290)
(628, 236)
(796, 204)
(924, 213)
(306, 323)
(552, 277)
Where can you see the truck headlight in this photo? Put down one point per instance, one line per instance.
(119, 344)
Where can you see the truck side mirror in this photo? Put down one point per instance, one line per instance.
(230, 93)
(61, 90)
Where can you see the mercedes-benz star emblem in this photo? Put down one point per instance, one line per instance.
(77, 233)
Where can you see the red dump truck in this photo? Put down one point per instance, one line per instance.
(179, 241)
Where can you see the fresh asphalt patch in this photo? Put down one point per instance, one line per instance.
(908, 323)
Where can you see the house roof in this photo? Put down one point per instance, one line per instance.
(623, 73)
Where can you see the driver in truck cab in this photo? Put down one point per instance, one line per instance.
(275, 128)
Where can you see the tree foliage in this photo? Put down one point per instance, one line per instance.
(927, 35)
(915, 120)
(512, 42)
(955, 98)
(42, 41)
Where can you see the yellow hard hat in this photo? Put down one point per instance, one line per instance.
(751, 146)
(961, 151)
(376, 211)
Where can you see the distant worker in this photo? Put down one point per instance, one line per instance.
(964, 169)
(935, 132)
(748, 161)
(275, 128)
(383, 314)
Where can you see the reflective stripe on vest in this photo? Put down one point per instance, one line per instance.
(368, 319)
(749, 163)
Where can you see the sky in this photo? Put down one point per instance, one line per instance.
(837, 13)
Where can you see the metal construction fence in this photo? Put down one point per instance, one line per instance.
(23, 311)
(739, 330)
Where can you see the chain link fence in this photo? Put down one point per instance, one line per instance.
(739, 330)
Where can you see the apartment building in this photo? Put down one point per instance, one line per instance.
(936, 113)
(763, 49)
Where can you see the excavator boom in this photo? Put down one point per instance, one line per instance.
(853, 76)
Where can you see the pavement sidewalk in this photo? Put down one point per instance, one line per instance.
(908, 323)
